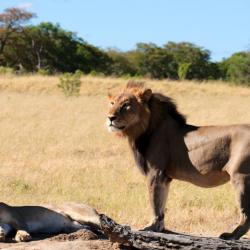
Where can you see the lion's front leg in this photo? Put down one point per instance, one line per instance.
(158, 186)
(22, 236)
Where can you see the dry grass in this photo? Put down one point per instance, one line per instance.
(56, 149)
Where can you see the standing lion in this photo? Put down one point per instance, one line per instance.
(165, 147)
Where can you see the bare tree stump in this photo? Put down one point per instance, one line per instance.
(157, 241)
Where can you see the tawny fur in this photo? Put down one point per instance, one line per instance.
(48, 219)
(165, 147)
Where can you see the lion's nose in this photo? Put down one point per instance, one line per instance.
(112, 118)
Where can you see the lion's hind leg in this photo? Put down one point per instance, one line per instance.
(72, 226)
(241, 182)
(81, 214)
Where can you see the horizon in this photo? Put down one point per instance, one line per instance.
(220, 27)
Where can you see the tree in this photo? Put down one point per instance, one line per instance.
(12, 20)
(237, 68)
(155, 61)
(91, 58)
(185, 53)
(64, 51)
(121, 64)
(48, 46)
(25, 49)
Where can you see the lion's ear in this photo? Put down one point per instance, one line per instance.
(145, 94)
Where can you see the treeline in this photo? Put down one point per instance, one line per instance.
(48, 48)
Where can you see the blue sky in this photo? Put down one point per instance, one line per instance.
(222, 26)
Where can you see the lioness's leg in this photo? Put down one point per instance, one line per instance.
(22, 229)
(11, 217)
(22, 235)
(242, 185)
(158, 186)
(2, 234)
(4, 231)
(72, 226)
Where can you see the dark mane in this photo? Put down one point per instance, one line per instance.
(164, 106)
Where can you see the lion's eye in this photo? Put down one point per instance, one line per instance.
(128, 107)
(125, 106)
(112, 103)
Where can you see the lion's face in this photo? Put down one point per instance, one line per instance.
(128, 110)
(123, 112)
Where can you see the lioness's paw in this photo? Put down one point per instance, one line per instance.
(22, 235)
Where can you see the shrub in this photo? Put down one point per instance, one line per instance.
(79, 72)
(6, 70)
(183, 70)
(96, 73)
(44, 72)
(70, 84)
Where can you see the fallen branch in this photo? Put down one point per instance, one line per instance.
(157, 241)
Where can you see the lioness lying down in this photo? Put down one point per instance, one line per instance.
(44, 219)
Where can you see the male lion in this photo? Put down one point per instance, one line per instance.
(166, 148)
(44, 219)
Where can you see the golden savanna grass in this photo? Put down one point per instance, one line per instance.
(55, 149)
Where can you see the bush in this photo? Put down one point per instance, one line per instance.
(96, 73)
(79, 72)
(6, 70)
(70, 84)
(183, 70)
(44, 72)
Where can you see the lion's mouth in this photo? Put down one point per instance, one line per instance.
(113, 127)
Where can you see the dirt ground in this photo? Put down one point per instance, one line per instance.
(78, 240)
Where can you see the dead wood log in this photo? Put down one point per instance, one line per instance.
(157, 241)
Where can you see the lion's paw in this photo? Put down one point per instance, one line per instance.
(22, 235)
(228, 236)
(156, 226)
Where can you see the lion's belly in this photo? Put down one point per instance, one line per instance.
(212, 179)
(43, 227)
(46, 222)
(204, 172)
